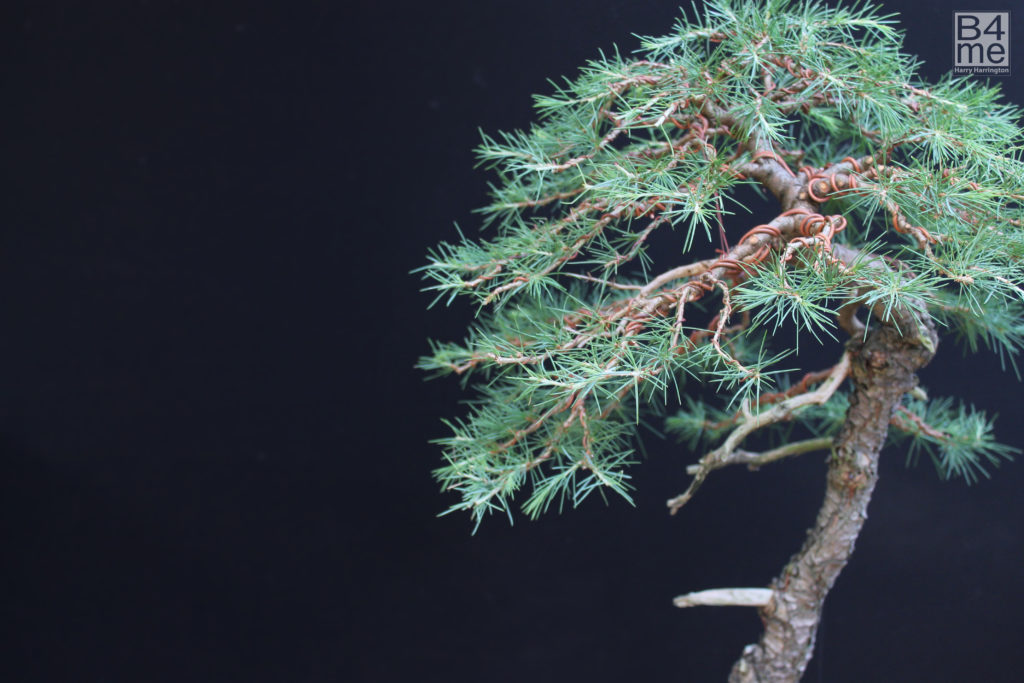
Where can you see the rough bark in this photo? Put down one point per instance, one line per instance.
(882, 370)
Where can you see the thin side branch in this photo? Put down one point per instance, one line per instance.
(752, 422)
(755, 460)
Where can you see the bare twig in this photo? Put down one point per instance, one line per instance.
(752, 422)
(755, 460)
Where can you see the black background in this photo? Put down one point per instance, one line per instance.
(213, 444)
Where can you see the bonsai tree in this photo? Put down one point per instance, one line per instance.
(897, 216)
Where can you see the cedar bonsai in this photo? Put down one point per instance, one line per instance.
(898, 216)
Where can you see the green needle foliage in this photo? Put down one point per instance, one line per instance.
(910, 205)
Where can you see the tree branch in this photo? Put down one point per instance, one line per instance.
(752, 422)
(755, 460)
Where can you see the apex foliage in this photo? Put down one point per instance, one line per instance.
(898, 200)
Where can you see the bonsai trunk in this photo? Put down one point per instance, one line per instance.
(882, 370)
